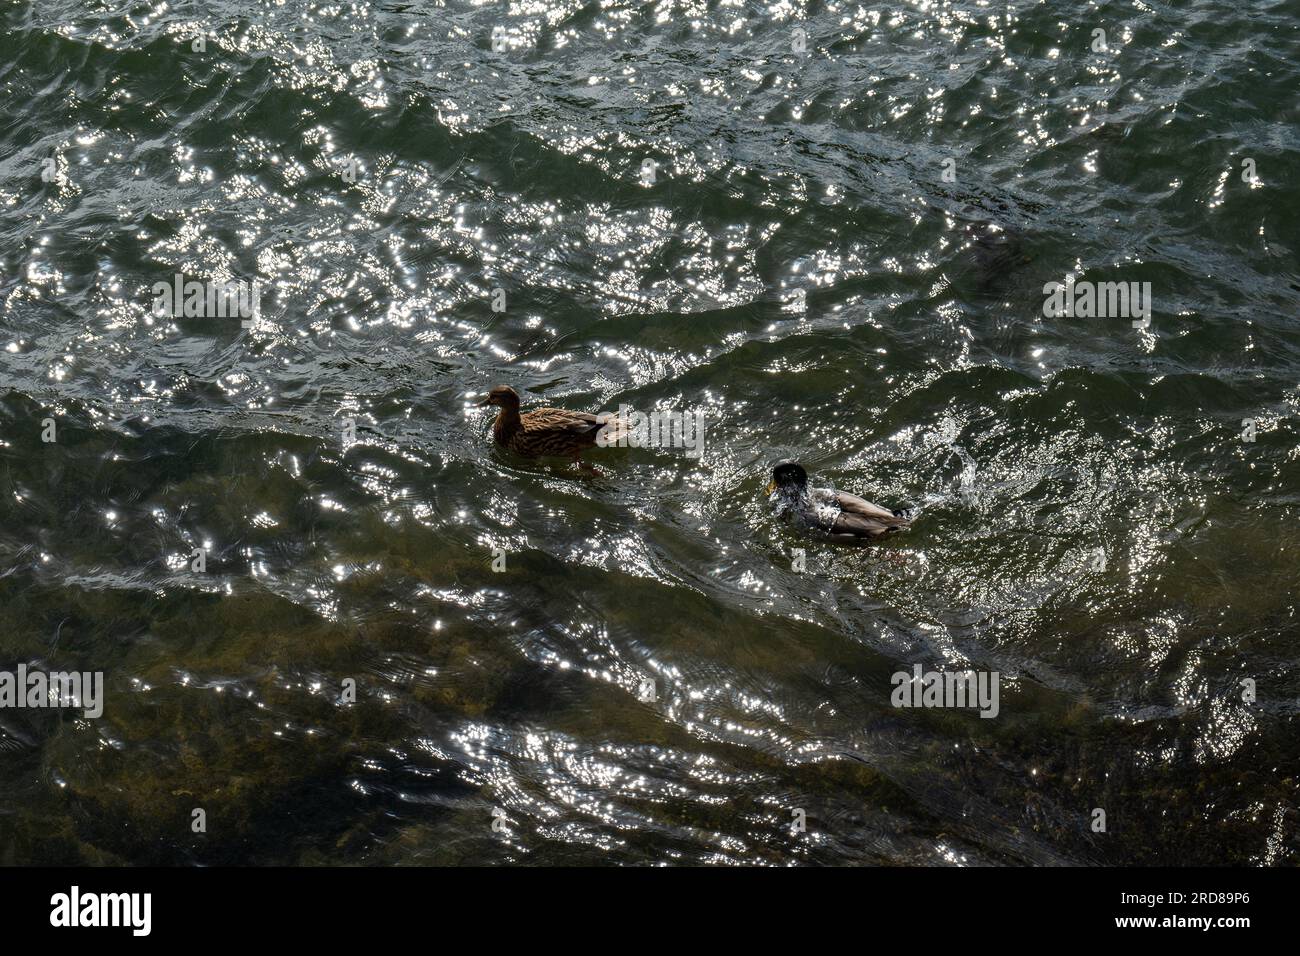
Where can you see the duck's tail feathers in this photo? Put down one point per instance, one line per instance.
(612, 430)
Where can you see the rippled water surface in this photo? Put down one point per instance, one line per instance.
(1093, 525)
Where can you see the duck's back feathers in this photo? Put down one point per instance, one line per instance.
(840, 513)
(581, 424)
(553, 432)
(852, 504)
(860, 526)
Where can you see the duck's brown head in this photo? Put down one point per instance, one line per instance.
(503, 396)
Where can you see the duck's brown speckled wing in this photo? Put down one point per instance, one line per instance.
(554, 432)
(862, 518)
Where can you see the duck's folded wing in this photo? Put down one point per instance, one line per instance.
(563, 420)
(861, 526)
(860, 507)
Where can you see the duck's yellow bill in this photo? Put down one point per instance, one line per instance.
(771, 487)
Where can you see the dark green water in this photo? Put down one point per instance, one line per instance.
(1093, 524)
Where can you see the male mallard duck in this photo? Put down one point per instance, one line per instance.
(544, 432)
(837, 513)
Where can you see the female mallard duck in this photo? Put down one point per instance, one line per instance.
(838, 513)
(544, 432)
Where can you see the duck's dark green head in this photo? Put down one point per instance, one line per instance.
(788, 477)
